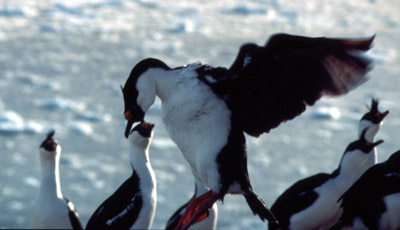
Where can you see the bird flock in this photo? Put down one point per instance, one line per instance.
(207, 110)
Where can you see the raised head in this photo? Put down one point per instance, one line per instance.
(363, 144)
(357, 152)
(50, 146)
(374, 115)
(372, 120)
(142, 134)
(134, 96)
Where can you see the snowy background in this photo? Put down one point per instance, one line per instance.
(62, 63)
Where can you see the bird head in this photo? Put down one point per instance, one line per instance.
(142, 134)
(374, 115)
(49, 146)
(138, 99)
(372, 120)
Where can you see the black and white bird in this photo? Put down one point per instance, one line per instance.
(207, 221)
(133, 204)
(373, 121)
(207, 110)
(51, 209)
(311, 203)
(373, 202)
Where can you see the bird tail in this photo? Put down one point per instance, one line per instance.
(259, 208)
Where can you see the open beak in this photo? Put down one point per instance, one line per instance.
(374, 144)
(377, 143)
(383, 115)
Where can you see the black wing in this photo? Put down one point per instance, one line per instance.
(272, 84)
(121, 209)
(73, 215)
(298, 197)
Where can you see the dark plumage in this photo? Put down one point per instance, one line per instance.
(279, 79)
(73, 215)
(127, 195)
(266, 85)
(311, 194)
(365, 198)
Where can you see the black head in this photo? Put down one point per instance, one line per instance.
(362, 144)
(49, 143)
(132, 111)
(373, 114)
(144, 129)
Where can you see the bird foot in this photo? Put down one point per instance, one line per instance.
(197, 209)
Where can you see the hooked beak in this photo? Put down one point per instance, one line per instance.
(132, 117)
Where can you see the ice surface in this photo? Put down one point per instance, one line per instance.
(326, 113)
(62, 64)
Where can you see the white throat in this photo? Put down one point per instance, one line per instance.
(139, 159)
(351, 168)
(370, 136)
(161, 82)
(50, 181)
(372, 129)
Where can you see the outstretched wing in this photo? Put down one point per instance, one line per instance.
(272, 84)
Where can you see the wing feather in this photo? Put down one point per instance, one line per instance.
(272, 84)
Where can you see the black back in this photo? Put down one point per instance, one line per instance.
(121, 209)
(297, 198)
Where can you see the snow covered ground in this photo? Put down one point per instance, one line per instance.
(62, 64)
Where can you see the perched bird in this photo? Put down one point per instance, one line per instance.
(311, 203)
(51, 209)
(373, 202)
(207, 221)
(207, 110)
(133, 205)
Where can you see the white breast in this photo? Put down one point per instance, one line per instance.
(199, 123)
(50, 213)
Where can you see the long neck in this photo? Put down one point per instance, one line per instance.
(370, 136)
(372, 130)
(350, 170)
(165, 81)
(50, 184)
(139, 158)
